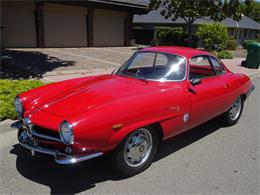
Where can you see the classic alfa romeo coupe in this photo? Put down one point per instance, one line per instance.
(158, 93)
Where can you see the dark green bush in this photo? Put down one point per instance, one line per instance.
(225, 55)
(8, 90)
(231, 44)
(174, 36)
(171, 36)
(246, 42)
(214, 36)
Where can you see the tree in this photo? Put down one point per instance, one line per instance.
(191, 10)
(251, 9)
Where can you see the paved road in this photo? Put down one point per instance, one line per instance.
(209, 159)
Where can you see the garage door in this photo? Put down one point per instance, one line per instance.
(108, 28)
(65, 26)
(18, 24)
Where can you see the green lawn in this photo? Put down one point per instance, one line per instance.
(8, 91)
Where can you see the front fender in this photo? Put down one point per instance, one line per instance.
(175, 118)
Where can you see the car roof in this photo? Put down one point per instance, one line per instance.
(182, 51)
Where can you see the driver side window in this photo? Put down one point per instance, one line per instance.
(200, 67)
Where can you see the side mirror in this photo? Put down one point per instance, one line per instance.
(195, 81)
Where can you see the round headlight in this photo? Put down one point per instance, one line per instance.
(18, 105)
(66, 133)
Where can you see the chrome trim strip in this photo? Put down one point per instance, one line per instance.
(18, 125)
(61, 158)
(45, 136)
(71, 160)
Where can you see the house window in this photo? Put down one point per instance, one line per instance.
(256, 34)
(235, 33)
(231, 32)
(245, 33)
(250, 33)
(240, 34)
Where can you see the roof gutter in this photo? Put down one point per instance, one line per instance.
(108, 4)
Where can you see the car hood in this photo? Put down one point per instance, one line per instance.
(92, 93)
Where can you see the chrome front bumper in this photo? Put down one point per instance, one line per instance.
(60, 158)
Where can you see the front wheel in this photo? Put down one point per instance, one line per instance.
(136, 152)
(232, 116)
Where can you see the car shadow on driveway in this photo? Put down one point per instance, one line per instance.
(73, 179)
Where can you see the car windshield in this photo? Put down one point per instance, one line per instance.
(154, 66)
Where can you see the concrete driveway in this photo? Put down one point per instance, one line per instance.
(56, 64)
(51, 63)
(209, 159)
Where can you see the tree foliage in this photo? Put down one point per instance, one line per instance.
(251, 8)
(191, 10)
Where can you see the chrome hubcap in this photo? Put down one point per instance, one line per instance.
(235, 109)
(138, 147)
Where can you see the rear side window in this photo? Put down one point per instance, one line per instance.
(217, 65)
(161, 60)
(200, 67)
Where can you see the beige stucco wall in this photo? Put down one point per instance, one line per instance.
(108, 28)
(65, 26)
(17, 20)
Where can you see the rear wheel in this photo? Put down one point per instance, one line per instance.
(232, 116)
(136, 152)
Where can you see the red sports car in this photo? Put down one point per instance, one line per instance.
(158, 93)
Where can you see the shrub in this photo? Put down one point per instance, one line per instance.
(8, 90)
(231, 44)
(246, 42)
(214, 36)
(225, 55)
(171, 36)
(214, 53)
(174, 36)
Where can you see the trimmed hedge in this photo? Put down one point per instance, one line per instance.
(8, 91)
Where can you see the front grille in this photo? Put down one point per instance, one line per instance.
(47, 132)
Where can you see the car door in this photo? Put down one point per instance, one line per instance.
(207, 97)
(225, 77)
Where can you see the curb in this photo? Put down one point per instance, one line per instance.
(254, 75)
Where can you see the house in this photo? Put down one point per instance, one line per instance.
(84, 23)
(144, 26)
